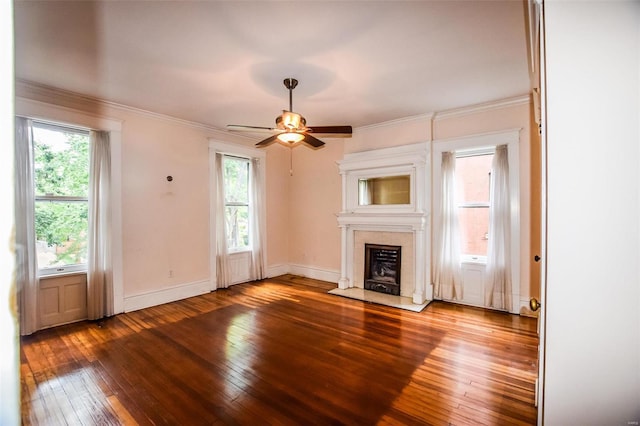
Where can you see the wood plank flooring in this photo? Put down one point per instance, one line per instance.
(283, 352)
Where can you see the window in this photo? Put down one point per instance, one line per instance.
(61, 174)
(473, 179)
(237, 213)
(236, 201)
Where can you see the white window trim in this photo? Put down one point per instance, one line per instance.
(478, 143)
(62, 270)
(215, 147)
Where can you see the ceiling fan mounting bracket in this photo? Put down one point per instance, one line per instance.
(290, 83)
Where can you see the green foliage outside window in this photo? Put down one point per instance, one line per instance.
(61, 161)
(236, 187)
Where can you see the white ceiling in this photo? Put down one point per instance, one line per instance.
(218, 63)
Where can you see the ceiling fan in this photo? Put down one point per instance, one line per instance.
(291, 128)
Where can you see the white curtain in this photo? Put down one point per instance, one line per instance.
(498, 276)
(26, 267)
(365, 192)
(223, 272)
(100, 271)
(447, 274)
(256, 227)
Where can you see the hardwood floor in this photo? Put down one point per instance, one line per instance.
(283, 351)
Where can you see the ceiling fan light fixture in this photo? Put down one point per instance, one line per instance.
(290, 137)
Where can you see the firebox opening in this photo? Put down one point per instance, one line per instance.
(382, 268)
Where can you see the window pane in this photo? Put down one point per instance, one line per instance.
(61, 160)
(236, 180)
(473, 176)
(474, 230)
(237, 227)
(473, 183)
(61, 233)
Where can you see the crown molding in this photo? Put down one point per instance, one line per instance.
(456, 112)
(427, 116)
(483, 107)
(28, 90)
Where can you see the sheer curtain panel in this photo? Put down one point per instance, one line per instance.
(223, 273)
(26, 267)
(99, 268)
(498, 276)
(256, 227)
(447, 275)
(365, 195)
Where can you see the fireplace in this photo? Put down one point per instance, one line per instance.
(382, 268)
(397, 231)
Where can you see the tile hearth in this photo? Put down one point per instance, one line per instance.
(399, 302)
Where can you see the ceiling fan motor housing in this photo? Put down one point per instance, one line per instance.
(291, 121)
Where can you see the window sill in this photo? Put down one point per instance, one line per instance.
(239, 251)
(61, 272)
(474, 260)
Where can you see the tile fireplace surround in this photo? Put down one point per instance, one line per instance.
(405, 225)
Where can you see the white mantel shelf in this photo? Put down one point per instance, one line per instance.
(414, 221)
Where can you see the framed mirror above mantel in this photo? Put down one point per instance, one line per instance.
(385, 180)
(384, 190)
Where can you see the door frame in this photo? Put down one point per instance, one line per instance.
(537, 48)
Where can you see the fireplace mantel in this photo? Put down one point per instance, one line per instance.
(378, 220)
(415, 221)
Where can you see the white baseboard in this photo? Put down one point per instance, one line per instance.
(304, 271)
(166, 295)
(172, 294)
(315, 273)
(525, 310)
(277, 270)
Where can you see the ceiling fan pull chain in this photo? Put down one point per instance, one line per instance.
(290, 161)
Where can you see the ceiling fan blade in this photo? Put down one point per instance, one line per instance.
(310, 140)
(242, 128)
(268, 141)
(332, 131)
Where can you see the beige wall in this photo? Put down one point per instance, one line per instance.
(165, 224)
(316, 196)
(278, 209)
(394, 133)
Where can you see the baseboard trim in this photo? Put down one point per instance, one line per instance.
(525, 310)
(315, 273)
(166, 295)
(277, 270)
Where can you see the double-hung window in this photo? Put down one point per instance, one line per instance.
(236, 202)
(473, 179)
(61, 174)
